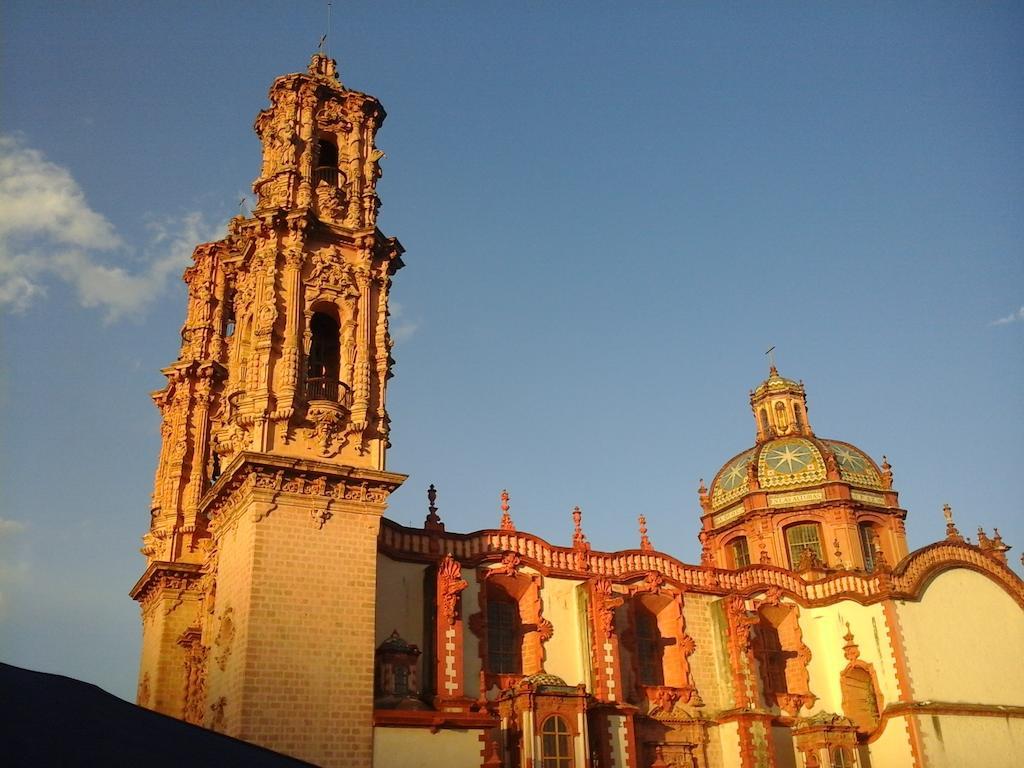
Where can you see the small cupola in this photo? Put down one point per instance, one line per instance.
(780, 408)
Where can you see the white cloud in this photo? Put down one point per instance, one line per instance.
(1013, 317)
(8, 526)
(48, 231)
(401, 331)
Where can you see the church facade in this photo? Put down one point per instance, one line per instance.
(280, 606)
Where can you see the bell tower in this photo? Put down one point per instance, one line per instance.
(258, 597)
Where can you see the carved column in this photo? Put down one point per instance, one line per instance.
(361, 376)
(293, 258)
(200, 430)
(307, 106)
(382, 343)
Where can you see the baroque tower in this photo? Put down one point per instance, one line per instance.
(258, 596)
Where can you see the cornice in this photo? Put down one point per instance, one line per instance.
(282, 475)
(161, 569)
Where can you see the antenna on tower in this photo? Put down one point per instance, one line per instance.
(328, 35)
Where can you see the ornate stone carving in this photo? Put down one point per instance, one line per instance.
(604, 603)
(195, 675)
(332, 117)
(328, 426)
(225, 637)
(449, 584)
(331, 201)
(217, 720)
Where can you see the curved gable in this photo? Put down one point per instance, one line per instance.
(964, 637)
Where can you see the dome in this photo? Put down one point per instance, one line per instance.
(789, 463)
(545, 679)
(775, 384)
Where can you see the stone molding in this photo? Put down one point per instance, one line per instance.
(272, 479)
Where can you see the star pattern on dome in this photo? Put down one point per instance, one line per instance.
(735, 474)
(849, 459)
(788, 457)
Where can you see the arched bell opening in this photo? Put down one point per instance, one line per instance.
(326, 162)
(323, 363)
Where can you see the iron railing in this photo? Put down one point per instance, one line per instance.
(324, 388)
(326, 173)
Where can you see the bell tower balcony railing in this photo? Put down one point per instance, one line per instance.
(326, 173)
(325, 388)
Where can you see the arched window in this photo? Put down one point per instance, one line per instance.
(556, 744)
(765, 426)
(801, 537)
(841, 757)
(327, 163)
(867, 544)
(798, 419)
(650, 669)
(739, 552)
(860, 699)
(781, 417)
(504, 636)
(324, 359)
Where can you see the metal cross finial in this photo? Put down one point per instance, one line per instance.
(771, 357)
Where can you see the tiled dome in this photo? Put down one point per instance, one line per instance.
(789, 463)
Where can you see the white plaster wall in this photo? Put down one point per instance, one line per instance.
(729, 738)
(564, 651)
(984, 742)
(964, 641)
(892, 748)
(419, 748)
(399, 600)
(823, 630)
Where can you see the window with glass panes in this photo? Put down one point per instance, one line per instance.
(648, 648)
(771, 657)
(867, 545)
(503, 642)
(801, 537)
(740, 552)
(556, 744)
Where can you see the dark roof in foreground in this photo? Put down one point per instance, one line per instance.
(54, 720)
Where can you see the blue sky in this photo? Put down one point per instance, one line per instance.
(610, 213)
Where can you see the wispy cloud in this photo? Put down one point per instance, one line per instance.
(1013, 317)
(49, 232)
(401, 329)
(8, 526)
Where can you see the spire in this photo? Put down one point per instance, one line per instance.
(506, 518)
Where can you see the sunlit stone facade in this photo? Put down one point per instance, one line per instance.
(280, 606)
